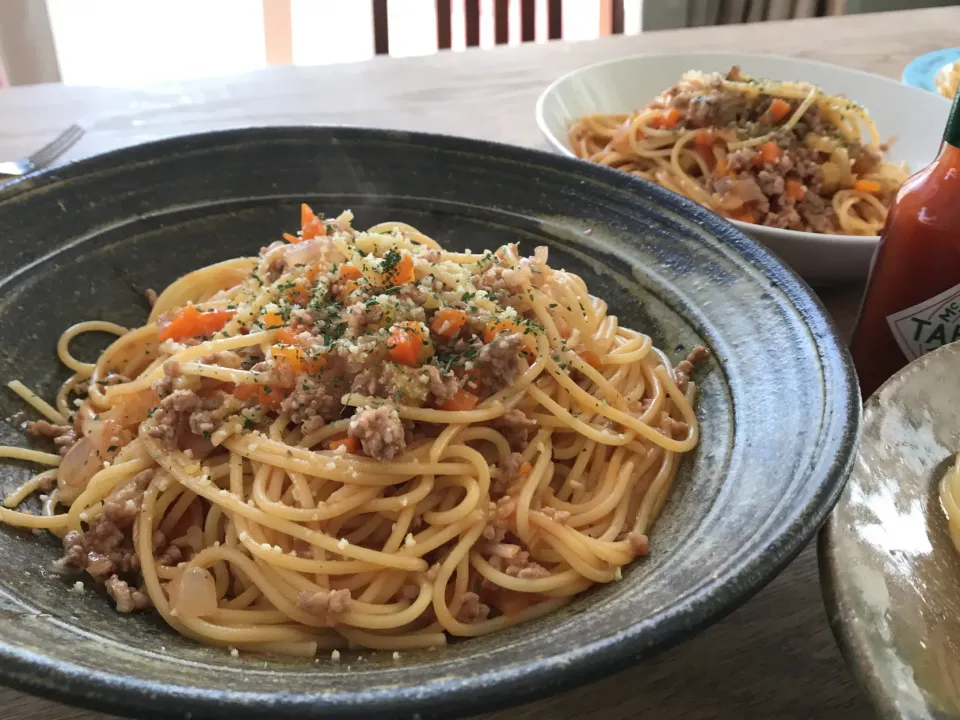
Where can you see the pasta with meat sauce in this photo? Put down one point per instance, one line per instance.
(360, 439)
(780, 154)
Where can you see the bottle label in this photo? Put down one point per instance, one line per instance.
(928, 325)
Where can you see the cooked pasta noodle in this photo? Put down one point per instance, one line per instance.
(359, 438)
(947, 79)
(782, 154)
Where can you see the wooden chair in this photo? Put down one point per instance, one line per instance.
(501, 22)
(27, 52)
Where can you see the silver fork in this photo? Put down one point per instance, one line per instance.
(45, 155)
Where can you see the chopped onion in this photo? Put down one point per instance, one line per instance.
(193, 593)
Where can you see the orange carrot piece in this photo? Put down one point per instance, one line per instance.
(300, 293)
(591, 358)
(349, 442)
(796, 190)
(769, 153)
(291, 238)
(287, 336)
(189, 322)
(778, 109)
(704, 137)
(744, 215)
(349, 272)
(722, 168)
(671, 118)
(447, 322)
(407, 345)
(867, 186)
(272, 320)
(460, 402)
(310, 225)
(401, 273)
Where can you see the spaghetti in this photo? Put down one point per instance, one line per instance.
(360, 439)
(781, 154)
(947, 79)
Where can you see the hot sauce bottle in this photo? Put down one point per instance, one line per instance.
(912, 302)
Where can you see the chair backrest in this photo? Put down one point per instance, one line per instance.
(471, 8)
(670, 14)
(27, 52)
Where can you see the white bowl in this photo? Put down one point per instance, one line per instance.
(914, 117)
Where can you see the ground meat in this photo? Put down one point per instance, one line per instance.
(672, 427)
(359, 316)
(171, 415)
(105, 547)
(507, 472)
(638, 543)
(171, 371)
(515, 427)
(524, 568)
(63, 436)
(685, 368)
(442, 387)
(498, 361)
(560, 516)
(742, 159)
(771, 184)
(208, 418)
(325, 603)
(471, 609)
(127, 598)
(313, 403)
(150, 295)
(380, 432)
(375, 381)
(223, 358)
(122, 506)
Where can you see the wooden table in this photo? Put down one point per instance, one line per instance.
(773, 658)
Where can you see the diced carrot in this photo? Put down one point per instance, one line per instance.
(349, 272)
(310, 225)
(291, 238)
(778, 109)
(300, 293)
(447, 322)
(297, 359)
(272, 320)
(400, 273)
(867, 186)
(461, 401)
(245, 391)
(407, 344)
(501, 327)
(704, 138)
(769, 153)
(796, 190)
(722, 168)
(287, 336)
(744, 215)
(705, 152)
(472, 379)
(270, 396)
(655, 122)
(189, 322)
(525, 469)
(591, 358)
(671, 118)
(347, 289)
(312, 273)
(509, 327)
(514, 603)
(351, 443)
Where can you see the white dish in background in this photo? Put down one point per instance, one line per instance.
(914, 117)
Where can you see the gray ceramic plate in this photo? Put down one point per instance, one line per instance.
(780, 408)
(891, 575)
